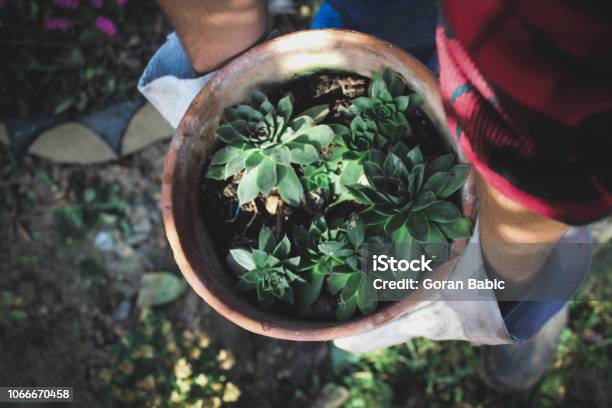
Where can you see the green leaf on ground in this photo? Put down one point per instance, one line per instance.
(159, 288)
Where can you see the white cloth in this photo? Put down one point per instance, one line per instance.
(169, 82)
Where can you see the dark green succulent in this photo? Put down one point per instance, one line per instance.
(352, 285)
(320, 178)
(265, 141)
(345, 242)
(379, 120)
(386, 106)
(355, 142)
(334, 253)
(315, 265)
(270, 270)
(407, 199)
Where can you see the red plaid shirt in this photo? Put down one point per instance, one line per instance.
(527, 87)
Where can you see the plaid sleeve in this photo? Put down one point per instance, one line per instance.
(527, 88)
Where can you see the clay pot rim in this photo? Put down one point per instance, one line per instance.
(289, 328)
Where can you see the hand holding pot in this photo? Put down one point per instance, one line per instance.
(275, 61)
(211, 33)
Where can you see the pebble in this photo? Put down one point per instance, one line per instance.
(123, 310)
(141, 225)
(331, 396)
(104, 241)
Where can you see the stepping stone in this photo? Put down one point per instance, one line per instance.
(109, 123)
(22, 132)
(72, 143)
(118, 130)
(146, 127)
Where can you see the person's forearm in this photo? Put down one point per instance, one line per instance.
(525, 238)
(214, 31)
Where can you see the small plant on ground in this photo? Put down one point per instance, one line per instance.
(158, 366)
(95, 203)
(350, 175)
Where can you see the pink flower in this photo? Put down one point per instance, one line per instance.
(97, 4)
(67, 4)
(3, 3)
(121, 3)
(57, 23)
(107, 26)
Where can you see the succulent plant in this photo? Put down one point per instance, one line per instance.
(354, 142)
(334, 252)
(352, 285)
(378, 121)
(315, 266)
(270, 270)
(320, 178)
(407, 199)
(383, 111)
(265, 141)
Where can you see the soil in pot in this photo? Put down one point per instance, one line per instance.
(236, 225)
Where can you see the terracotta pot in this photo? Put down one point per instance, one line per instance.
(193, 144)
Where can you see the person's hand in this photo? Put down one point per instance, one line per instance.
(215, 31)
(209, 34)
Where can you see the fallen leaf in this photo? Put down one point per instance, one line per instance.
(158, 288)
